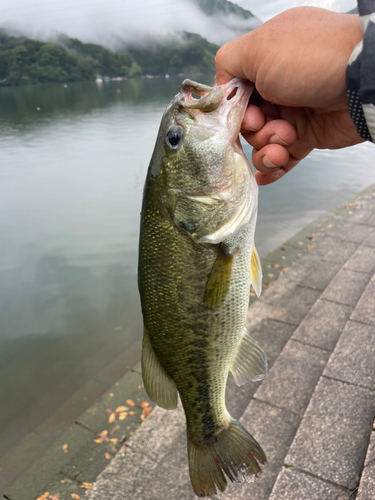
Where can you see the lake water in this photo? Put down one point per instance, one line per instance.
(72, 165)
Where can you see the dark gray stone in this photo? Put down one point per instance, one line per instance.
(367, 485)
(332, 439)
(292, 380)
(325, 245)
(303, 266)
(20, 458)
(48, 465)
(321, 275)
(293, 308)
(274, 430)
(323, 325)
(258, 311)
(341, 251)
(346, 287)
(292, 484)
(353, 359)
(365, 309)
(349, 231)
(362, 260)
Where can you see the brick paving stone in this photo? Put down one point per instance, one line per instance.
(258, 311)
(358, 216)
(367, 485)
(323, 325)
(332, 439)
(353, 359)
(328, 243)
(292, 379)
(370, 220)
(362, 260)
(349, 231)
(341, 251)
(294, 307)
(321, 276)
(365, 309)
(346, 287)
(278, 290)
(292, 484)
(274, 430)
(303, 266)
(370, 240)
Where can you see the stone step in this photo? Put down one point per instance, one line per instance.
(326, 457)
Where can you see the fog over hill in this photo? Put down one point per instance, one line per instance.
(107, 22)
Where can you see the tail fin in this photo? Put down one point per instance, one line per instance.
(234, 452)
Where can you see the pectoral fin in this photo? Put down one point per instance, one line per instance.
(158, 384)
(250, 362)
(256, 275)
(218, 281)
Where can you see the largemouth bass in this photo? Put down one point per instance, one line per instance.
(197, 261)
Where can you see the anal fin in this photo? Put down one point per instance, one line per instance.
(250, 362)
(160, 387)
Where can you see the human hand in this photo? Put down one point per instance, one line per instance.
(297, 61)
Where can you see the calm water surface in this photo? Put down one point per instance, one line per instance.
(72, 175)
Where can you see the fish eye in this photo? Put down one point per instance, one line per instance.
(174, 137)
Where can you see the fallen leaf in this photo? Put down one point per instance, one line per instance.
(114, 429)
(114, 440)
(44, 496)
(329, 226)
(310, 237)
(129, 402)
(64, 480)
(109, 411)
(285, 269)
(56, 496)
(86, 485)
(123, 415)
(144, 404)
(131, 412)
(300, 243)
(120, 409)
(111, 395)
(146, 412)
(112, 418)
(103, 437)
(140, 387)
(122, 448)
(76, 474)
(107, 456)
(74, 495)
(276, 266)
(65, 448)
(271, 275)
(128, 427)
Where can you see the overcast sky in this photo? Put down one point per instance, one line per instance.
(268, 8)
(101, 20)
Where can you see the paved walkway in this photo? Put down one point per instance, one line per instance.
(313, 414)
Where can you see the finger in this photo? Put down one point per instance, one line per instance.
(270, 158)
(230, 58)
(253, 120)
(264, 179)
(270, 110)
(274, 132)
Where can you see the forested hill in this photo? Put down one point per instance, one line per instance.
(26, 61)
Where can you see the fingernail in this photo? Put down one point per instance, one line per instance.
(275, 139)
(267, 163)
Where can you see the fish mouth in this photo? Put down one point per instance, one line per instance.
(226, 102)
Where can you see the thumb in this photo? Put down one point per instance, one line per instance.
(234, 59)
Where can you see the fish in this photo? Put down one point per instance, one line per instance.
(197, 261)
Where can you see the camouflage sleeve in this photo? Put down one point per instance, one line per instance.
(360, 75)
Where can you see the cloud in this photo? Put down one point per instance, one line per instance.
(103, 21)
(266, 10)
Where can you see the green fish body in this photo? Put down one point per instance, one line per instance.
(197, 261)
